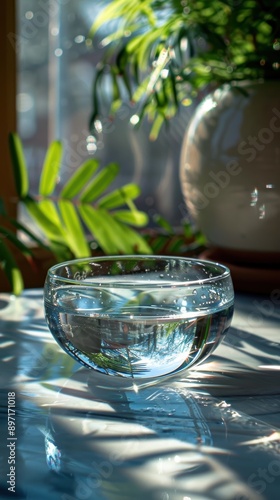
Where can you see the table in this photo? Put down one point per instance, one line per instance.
(211, 433)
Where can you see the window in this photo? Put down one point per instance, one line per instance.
(55, 73)
(48, 66)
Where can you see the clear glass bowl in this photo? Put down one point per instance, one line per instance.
(138, 316)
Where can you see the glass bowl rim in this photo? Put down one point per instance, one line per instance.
(118, 283)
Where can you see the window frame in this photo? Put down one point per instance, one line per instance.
(8, 86)
(34, 271)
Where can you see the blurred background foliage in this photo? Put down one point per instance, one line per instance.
(159, 54)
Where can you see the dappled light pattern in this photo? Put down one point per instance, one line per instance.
(211, 433)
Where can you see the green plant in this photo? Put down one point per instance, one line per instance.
(69, 218)
(9, 241)
(164, 240)
(161, 53)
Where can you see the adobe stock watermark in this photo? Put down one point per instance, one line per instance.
(262, 309)
(40, 18)
(43, 362)
(265, 308)
(250, 148)
(263, 476)
(86, 145)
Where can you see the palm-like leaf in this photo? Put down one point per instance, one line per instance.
(79, 179)
(133, 217)
(119, 196)
(62, 218)
(19, 165)
(51, 167)
(100, 183)
(8, 240)
(10, 267)
(75, 236)
(45, 222)
(99, 228)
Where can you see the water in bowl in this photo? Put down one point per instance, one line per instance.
(135, 333)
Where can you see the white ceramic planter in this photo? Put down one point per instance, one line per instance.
(230, 167)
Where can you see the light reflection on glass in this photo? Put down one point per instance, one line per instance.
(29, 14)
(164, 73)
(98, 126)
(262, 212)
(58, 52)
(254, 197)
(79, 39)
(105, 42)
(134, 119)
(184, 44)
(53, 455)
(91, 144)
(54, 31)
